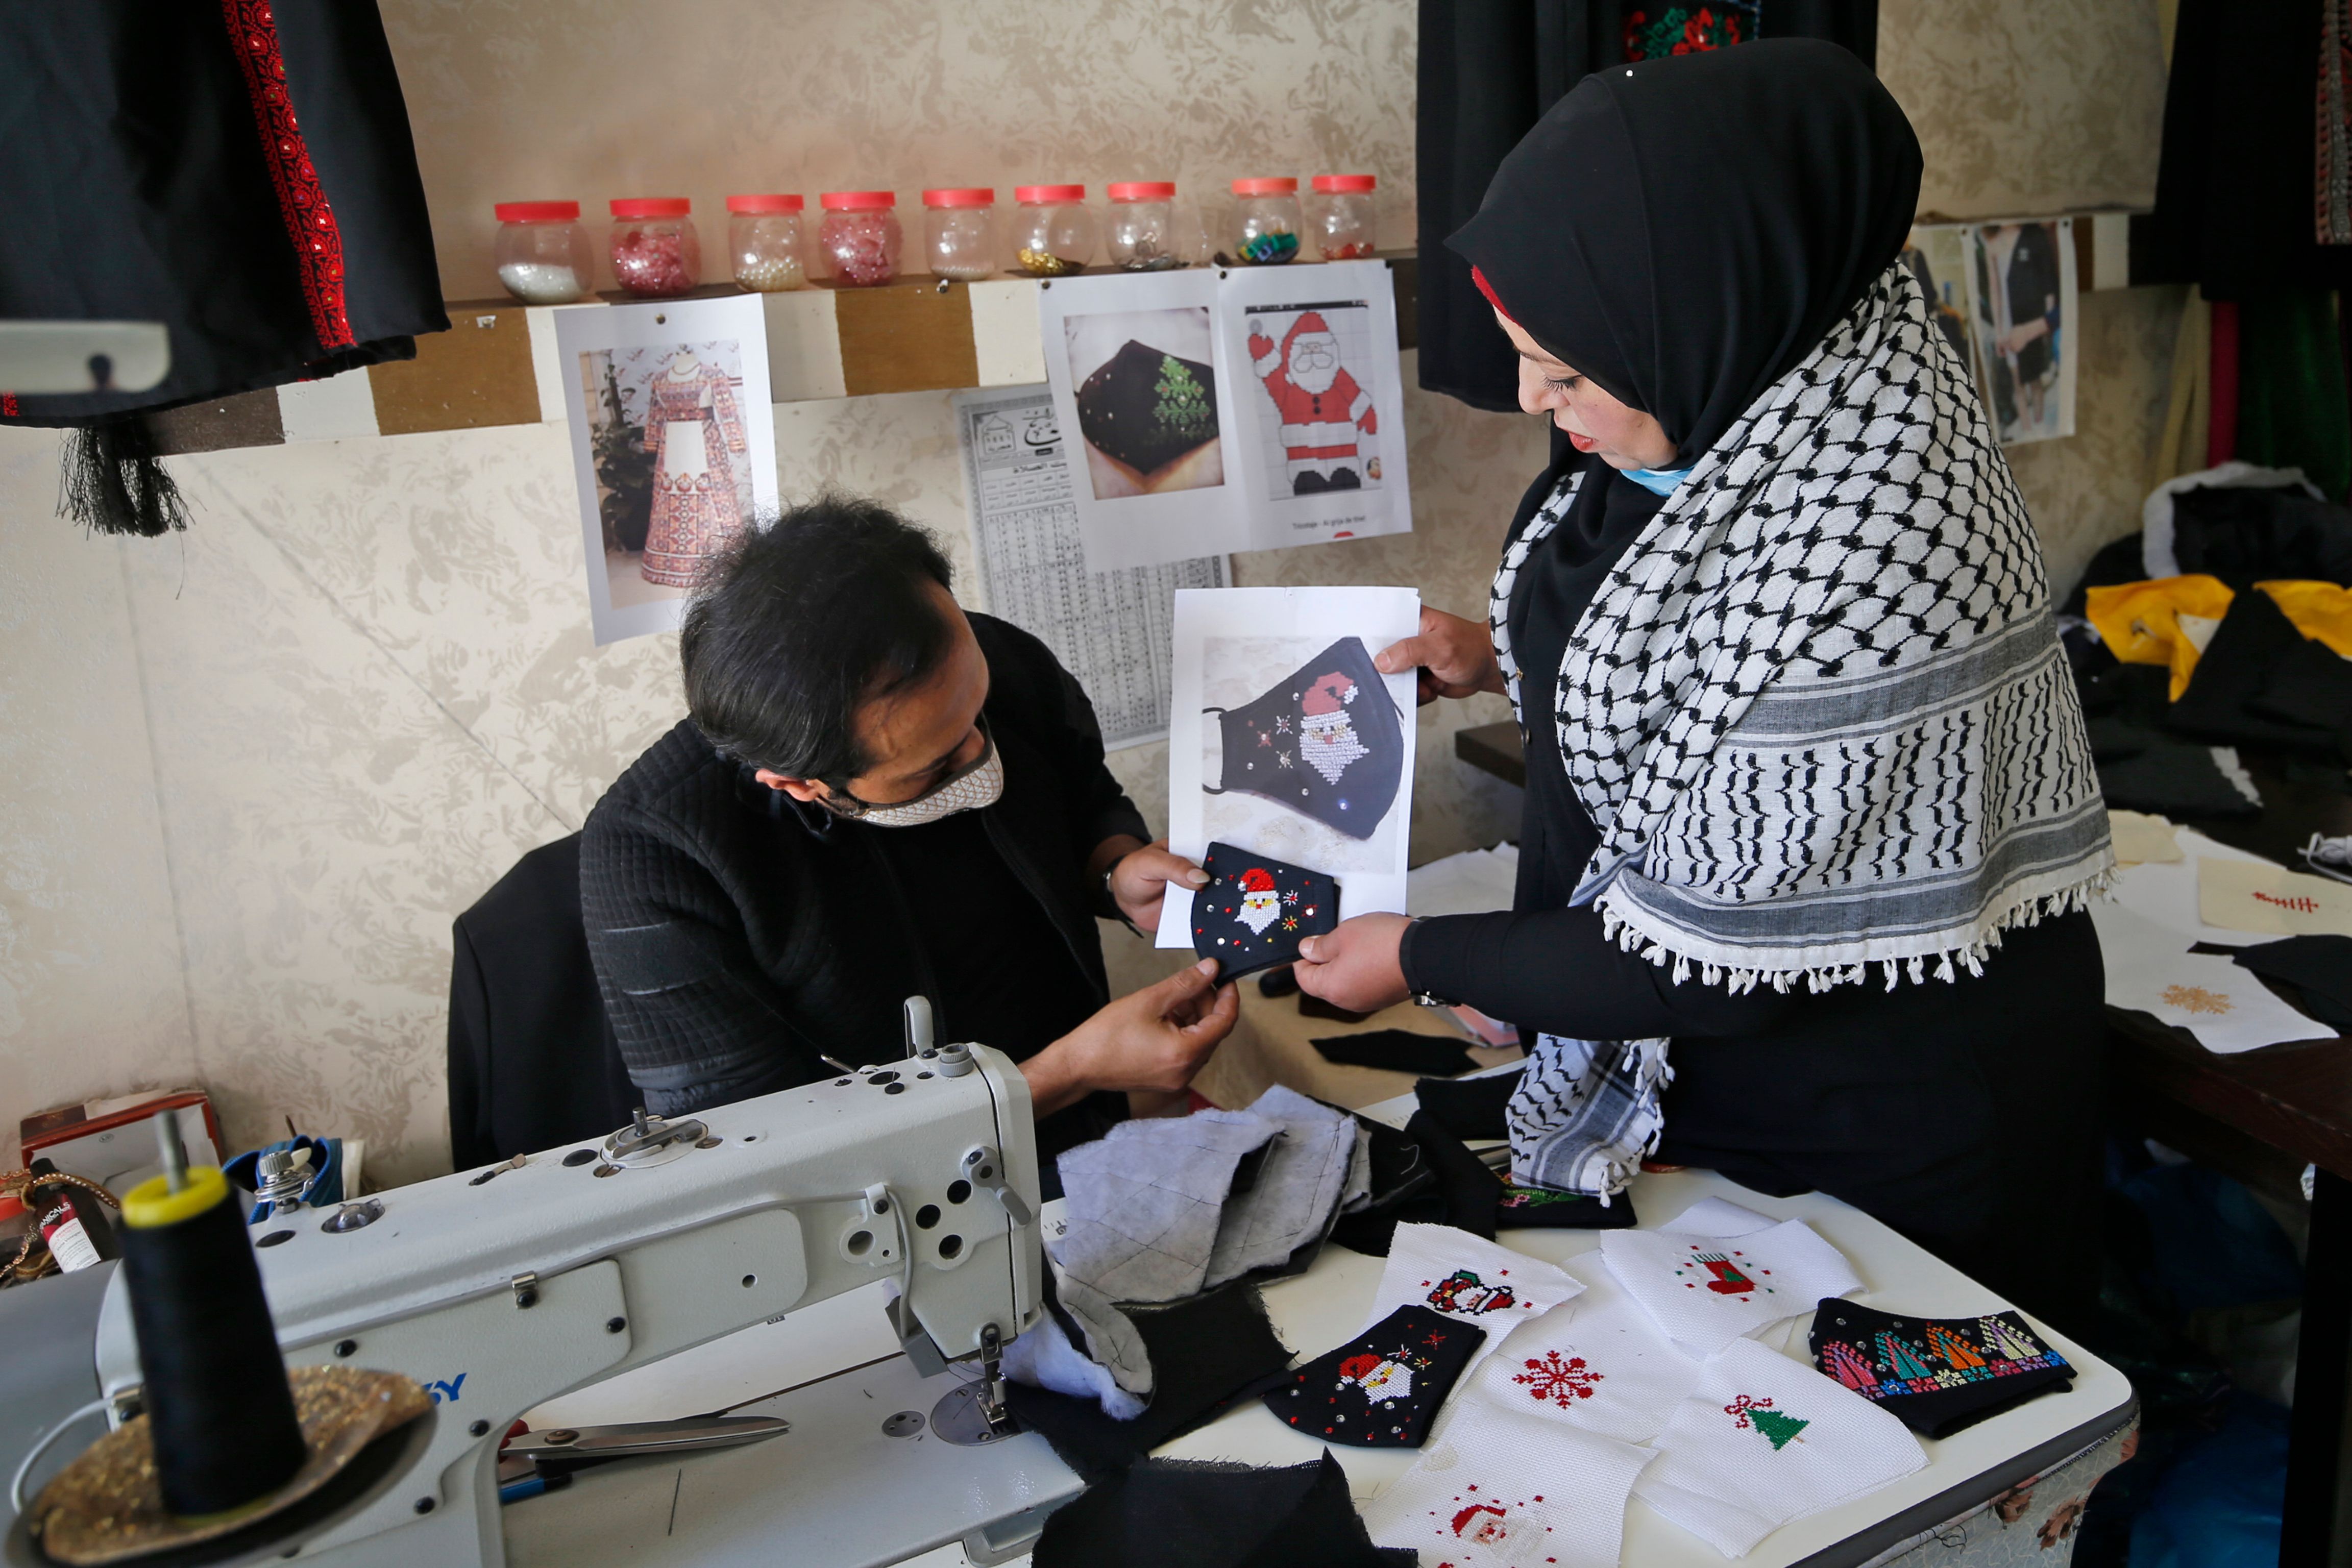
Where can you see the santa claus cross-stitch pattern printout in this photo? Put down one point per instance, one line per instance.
(1318, 452)
(1284, 740)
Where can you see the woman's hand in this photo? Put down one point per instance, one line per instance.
(1456, 657)
(1138, 881)
(1152, 1041)
(1357, 966)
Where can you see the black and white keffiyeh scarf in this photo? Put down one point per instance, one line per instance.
(1818, 712)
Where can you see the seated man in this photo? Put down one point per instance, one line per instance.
(877, 797)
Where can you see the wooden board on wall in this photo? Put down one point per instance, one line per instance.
(477, 373)
(906, 337)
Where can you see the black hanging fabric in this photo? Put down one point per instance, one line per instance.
(1488, 69)
(2234, 192)
(241, 172)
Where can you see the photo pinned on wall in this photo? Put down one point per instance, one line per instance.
(1285, 740)
(1937, 255)
(2020, 279)
(1131, 363)
(1320, 451)
(673, 447)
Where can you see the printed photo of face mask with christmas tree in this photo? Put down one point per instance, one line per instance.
(1327, 741)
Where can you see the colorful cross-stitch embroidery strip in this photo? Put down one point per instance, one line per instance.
(1383, 1388)
(1938, 1375)
(1257, 909)
(1705, 1291)
(1764, 1439)
(1499, 1491)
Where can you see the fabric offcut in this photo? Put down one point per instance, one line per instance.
(2175, 778)
(1397, 1050)
(1207, 1355)
(1257, 909)
(1705, 1291)
(1500, 1489)
(1470, 1107)
(1936, 1376)
(1469, 1279)
(1763, 1440)
(1167, 1513)
(1586, 1112)
(1598, 1363)
(2223, 700)
(1326, 742)
(2318, 967)
(1383, 1388)
(1152, 1214)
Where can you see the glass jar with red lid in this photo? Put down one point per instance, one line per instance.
(1053, 232)
(1266, 221)
(543, 252)
(656, 253)
(860, 236)
(765, 242)
(1141, 225)
(960, 232)
(1346, 229)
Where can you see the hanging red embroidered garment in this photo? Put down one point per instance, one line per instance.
(694, 428)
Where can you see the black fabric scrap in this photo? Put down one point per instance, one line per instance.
(1169, 1513)
(1397, 1050)
(2246, 534)
(1315, 1007)
(1470, 1107)
(2311, 689)
(1540, 1208)
(1208, 1353)
(2253, 640)
(2318, 967)
(2173, 778)
(1459, 1191)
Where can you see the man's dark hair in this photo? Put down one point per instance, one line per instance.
(799, 624)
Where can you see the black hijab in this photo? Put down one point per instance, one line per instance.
(1685, 231)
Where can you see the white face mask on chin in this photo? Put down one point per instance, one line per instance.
(979, 782)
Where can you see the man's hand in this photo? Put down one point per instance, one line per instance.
(1152, 1041)
(1356, 966)
(1454, 657)
(1139, 882)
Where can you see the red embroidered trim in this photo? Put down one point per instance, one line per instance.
(310, 221)
(7, 406)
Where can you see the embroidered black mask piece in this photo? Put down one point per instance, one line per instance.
(1940, 1374)
(1147, 408)
(1381, 1389)
(1257, 909)
(1327, 742)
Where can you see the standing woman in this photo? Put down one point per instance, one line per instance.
(1810, 813)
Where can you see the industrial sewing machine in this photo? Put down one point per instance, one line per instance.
(500, 1289)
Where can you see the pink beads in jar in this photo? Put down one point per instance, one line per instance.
(1346, 229)
(860, 235)
(655, 254)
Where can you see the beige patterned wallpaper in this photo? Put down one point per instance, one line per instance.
(252, 773)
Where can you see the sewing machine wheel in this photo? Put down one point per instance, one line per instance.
(958, 1419)
(377, 1469)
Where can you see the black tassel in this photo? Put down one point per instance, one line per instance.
(113, 481)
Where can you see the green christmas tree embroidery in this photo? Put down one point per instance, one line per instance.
(1183, 407)
(1781, 1429)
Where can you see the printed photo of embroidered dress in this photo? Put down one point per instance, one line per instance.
(694, 432)
(1319, 420)
(1327, 743)
(1937, 1374)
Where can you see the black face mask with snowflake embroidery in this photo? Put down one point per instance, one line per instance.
(1327, 741)
(1381, 1389)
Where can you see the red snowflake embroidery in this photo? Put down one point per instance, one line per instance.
(1562, 1380)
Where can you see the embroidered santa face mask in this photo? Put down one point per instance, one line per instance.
(1383, 1388)
(1257, 909)
(1327, 742)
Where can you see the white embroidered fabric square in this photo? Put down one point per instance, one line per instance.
(1705, 1291)
(1765, 1439)
(1500, 1489)
(1598, 1363)
(1470, 1280)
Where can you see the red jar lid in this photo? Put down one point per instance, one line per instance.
(1339, 184)
(960, 197)
(1267, 187)
(1143, 191)
(1049, 193)
(858, 201)
(536, 212)
(651, 207)
(764, 204)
